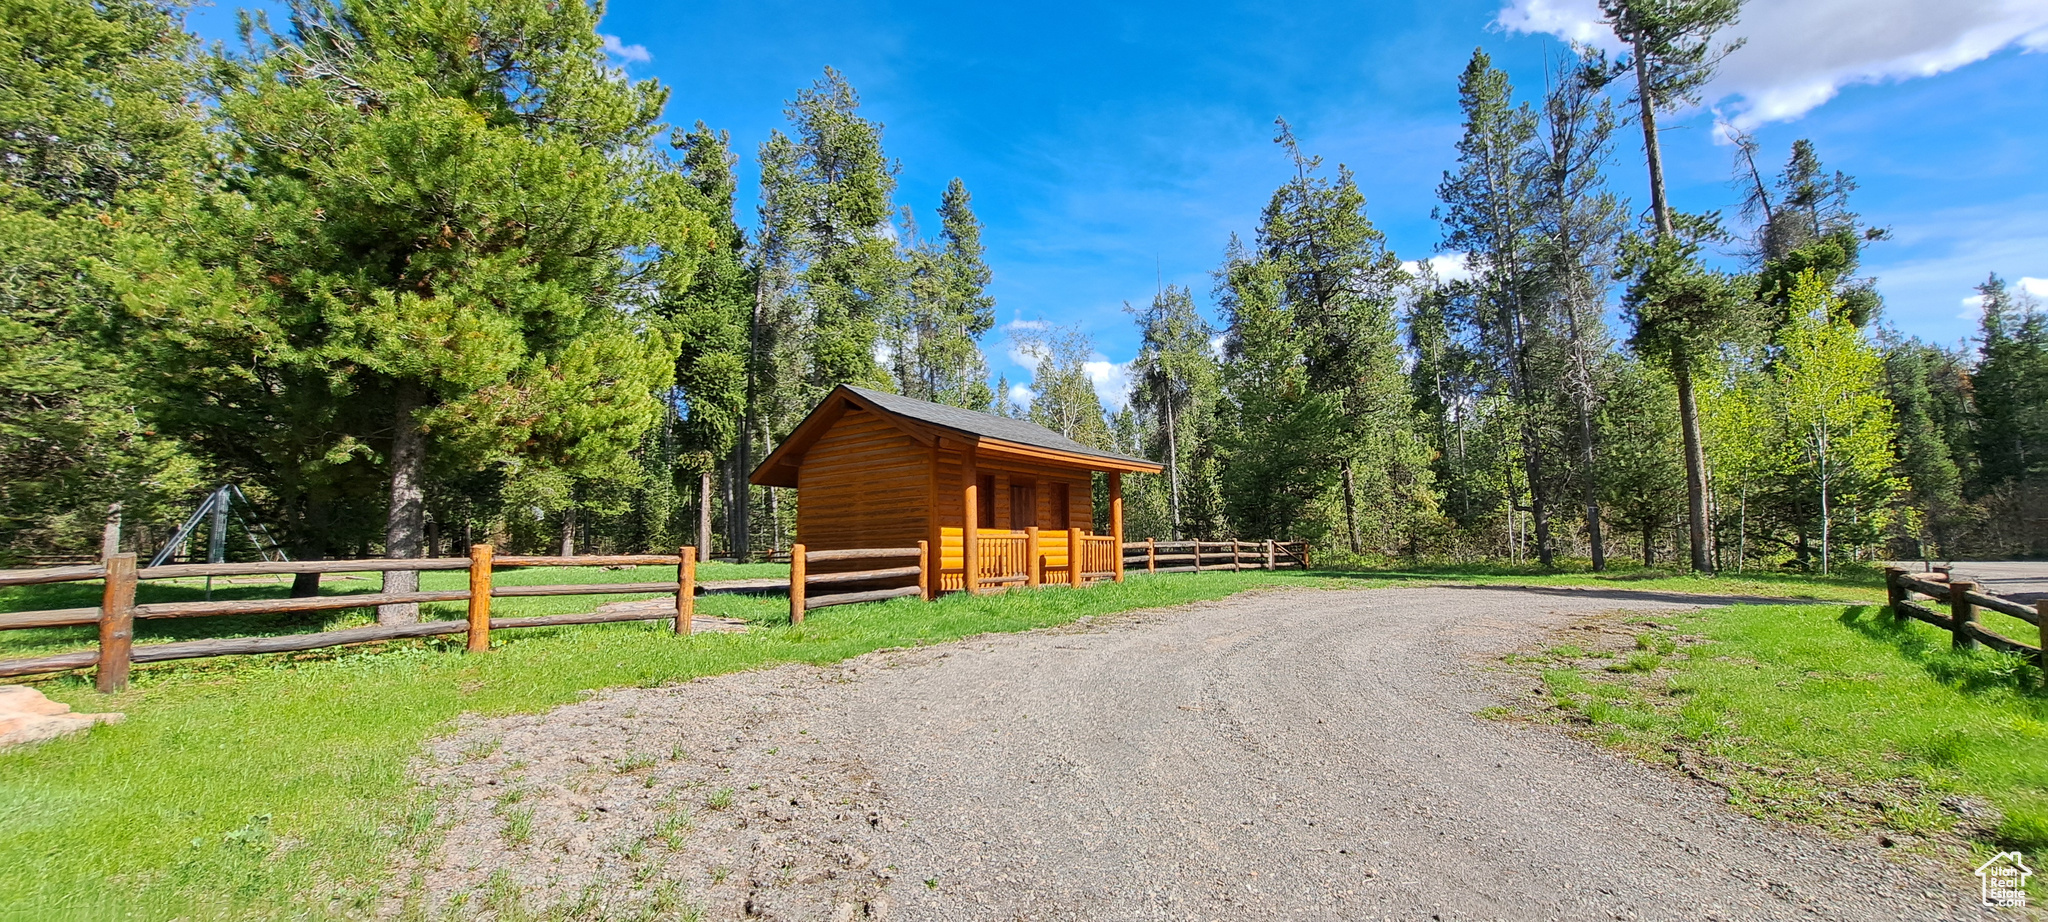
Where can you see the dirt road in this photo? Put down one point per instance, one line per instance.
(1281, 755)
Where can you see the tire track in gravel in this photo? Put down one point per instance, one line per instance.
(1276, 755)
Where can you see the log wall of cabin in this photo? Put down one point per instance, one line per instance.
(864, 484)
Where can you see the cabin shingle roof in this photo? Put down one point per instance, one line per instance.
(970, 422)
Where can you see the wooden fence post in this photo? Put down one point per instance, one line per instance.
(796, 583)
(1894, 593)
(1074, 553)
(1197, 545)
(479, 598)
(926, 579)
(1271, 562)
(117, 623)
(1236, 564)
(1965, 614)
(2041, 619)
(1034, 559)
(1151, 555)
(686, 591)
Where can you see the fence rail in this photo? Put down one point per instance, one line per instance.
(117, 612)
(1906, 592)
(846, 587)
(847, 576)
(1199, 556)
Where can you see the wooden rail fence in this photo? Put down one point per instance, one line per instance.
(117, 612)
(809, 590)
(1906, 593)
(1198, 556)
(847, 577)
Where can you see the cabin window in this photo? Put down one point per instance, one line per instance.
(1056, 509)
(985, 502)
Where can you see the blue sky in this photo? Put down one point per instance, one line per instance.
(1108, 148)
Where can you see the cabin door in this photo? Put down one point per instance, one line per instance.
(1023, 504)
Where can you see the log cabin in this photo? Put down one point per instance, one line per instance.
(1005, 499)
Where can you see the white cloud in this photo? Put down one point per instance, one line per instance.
(1449, 267)
(637, 54)
(1800, 54)
(1021, 395)
(1112, 381)
(2033, 286)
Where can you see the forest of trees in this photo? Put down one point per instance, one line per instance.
(418, 274)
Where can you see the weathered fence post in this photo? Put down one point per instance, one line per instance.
(1151, 555)
(1964, 612)
(926, 580)
(1271, 562)
(1894, 594)
(796, 583)
(1074, 554)
(117, 623)
(686, 591)
(1034, 559)
(2041, 619)
(1236, 565)
(1197, 545)
(479, 598)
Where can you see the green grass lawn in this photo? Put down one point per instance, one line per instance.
(1837, 715)
(277, 786)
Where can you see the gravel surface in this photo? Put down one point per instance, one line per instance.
(1277, 755)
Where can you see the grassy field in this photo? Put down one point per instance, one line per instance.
(277, 786)
(1836, 715)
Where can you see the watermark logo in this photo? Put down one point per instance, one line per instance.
(2003, 879)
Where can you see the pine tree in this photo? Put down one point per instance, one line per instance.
(933, 340)
(1672, 54)
(2011, 387)
(1490, 214)
(709, 319)
(95, 120)
(1914, 374)
(435, 225)
(1578, 228)
(1278, 437)
(1642, 477)
(1341, 286)
(825, 220)
(1175, 380)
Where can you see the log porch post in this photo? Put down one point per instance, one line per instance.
(970, 525)
(1116, 520)
(1034, 559)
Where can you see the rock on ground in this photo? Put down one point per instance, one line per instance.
(1276, 755)
(27, 716)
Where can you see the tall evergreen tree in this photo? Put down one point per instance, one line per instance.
(710, 318)
(435, 224)
(1341, 285)
(826, 215)
(1921, 382)
(1490, 214)
(1279, 437)
(1579, 225)
(96, 118)
(2011, 386)
(1672, 55)
(934, 339)
(1175, 381)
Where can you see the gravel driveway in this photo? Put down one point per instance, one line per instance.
(1277, 755)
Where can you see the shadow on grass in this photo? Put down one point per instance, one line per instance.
(1973, 672)
(1641, 595)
